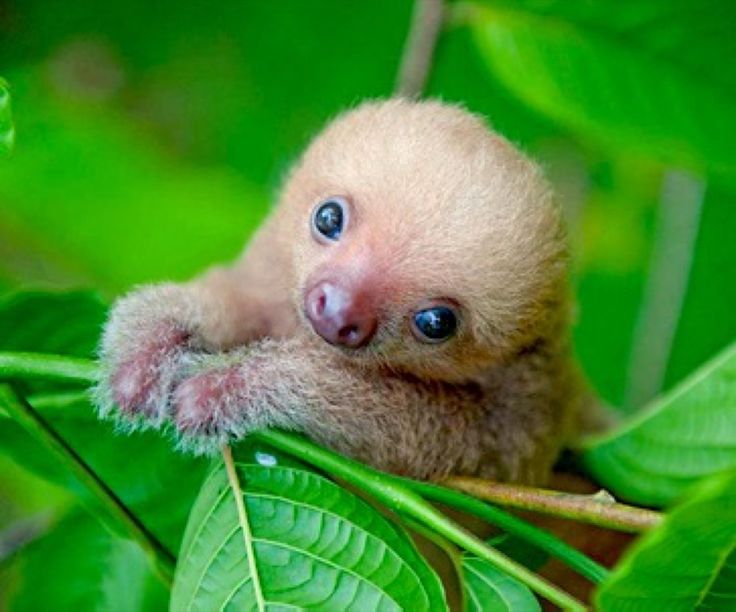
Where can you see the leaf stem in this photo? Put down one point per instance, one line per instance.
(678, 221)
(115, 514)
(232, 476)
(55, 368)
(390, 491)
(590, 509)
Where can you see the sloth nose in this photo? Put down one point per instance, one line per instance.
(341, 317)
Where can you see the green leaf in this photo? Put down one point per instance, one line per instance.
(7, 131)
(80, 566)
(159, 486)
(66, 323)
(681, 437)
(490, 590)
(520, 550)
(609, 76)
(687, 563)
(316, 545)
(60, 323)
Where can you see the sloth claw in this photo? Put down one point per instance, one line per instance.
(141, 385)
(208, 404)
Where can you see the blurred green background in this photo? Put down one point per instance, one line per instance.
(151, 138)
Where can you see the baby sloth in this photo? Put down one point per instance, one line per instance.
(405, 303)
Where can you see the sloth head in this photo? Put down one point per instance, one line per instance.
(423, 241)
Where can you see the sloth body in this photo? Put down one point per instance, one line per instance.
(405, 303)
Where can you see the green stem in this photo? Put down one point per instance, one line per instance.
(56, 368)
(512, 525)
(390, 492)
(115, 514)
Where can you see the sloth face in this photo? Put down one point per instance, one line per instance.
(343, 313)
(422, 240)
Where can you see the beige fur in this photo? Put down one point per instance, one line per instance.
(441, 207)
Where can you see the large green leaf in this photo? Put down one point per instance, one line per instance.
(687, 434)
(687, 563)
(489, 590)
(7, 133)
(608, 72)
(80, 566)
(315, 545)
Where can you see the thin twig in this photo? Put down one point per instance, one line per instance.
(115, 514)
(592, 509)
(232, 476)
(416, 59)
(678, 220)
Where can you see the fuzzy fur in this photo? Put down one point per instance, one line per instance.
(441, 207)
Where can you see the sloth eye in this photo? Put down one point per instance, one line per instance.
(434, 324)
(329, 218)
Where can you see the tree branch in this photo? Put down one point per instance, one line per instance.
(594, 509)
(416, 59)
(511, 524)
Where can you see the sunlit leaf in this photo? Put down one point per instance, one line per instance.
(685, 435)
(687, 563)
(316, 545)
(606, 81)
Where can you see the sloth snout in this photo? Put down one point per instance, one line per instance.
(340, 316)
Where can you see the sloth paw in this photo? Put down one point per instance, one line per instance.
(140, 385)
(210, 405)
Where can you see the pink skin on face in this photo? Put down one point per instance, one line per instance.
(341, 316)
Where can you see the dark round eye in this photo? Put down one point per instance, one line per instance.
(434, 324)
(328, 219)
